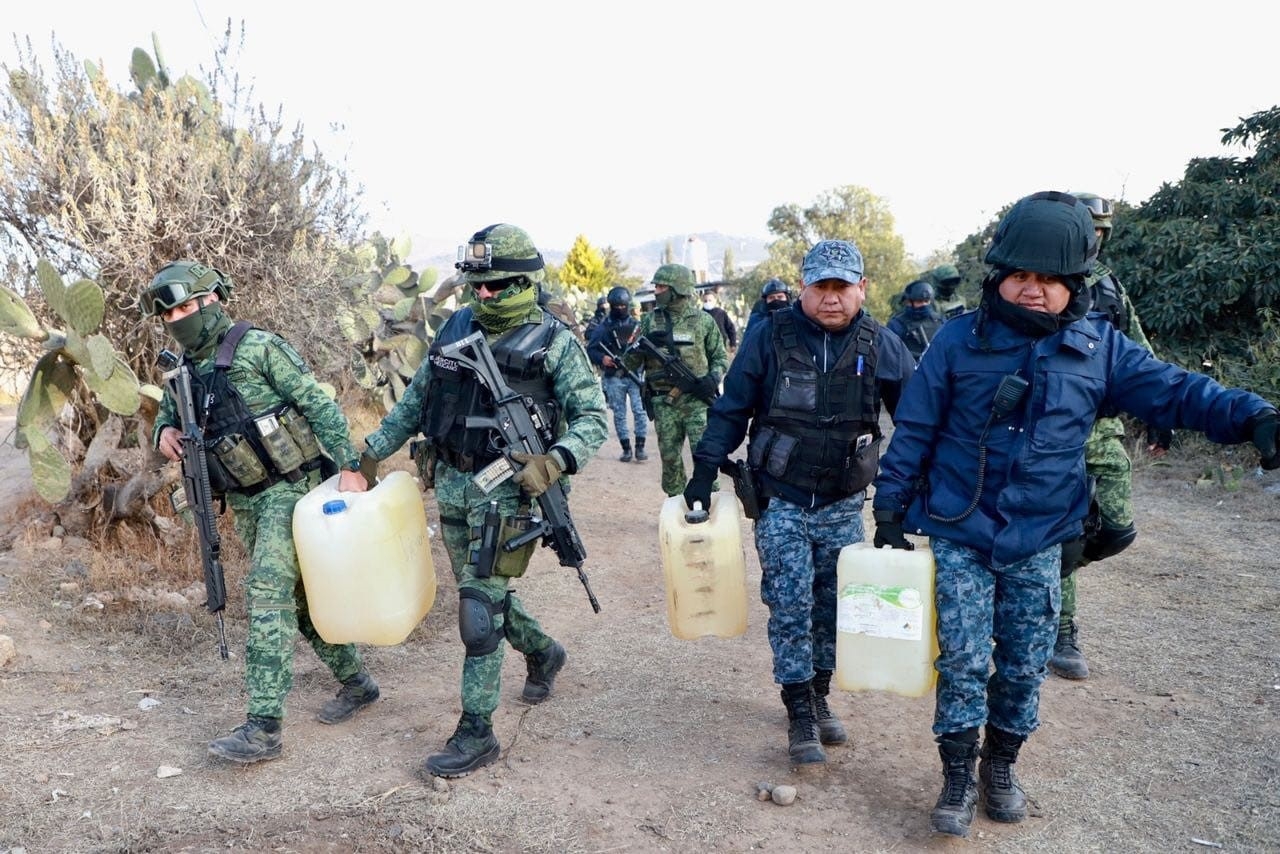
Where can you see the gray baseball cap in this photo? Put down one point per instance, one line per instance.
(832, 259)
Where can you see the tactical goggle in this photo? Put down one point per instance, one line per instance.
(161, 298)
(1098, 207)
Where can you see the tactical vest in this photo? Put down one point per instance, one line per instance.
(822, 432)
(249, 452)
(678, 343)
(454, 392)
(920, 333)
(1107, 298)
(617, 335)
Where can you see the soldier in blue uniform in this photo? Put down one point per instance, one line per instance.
(988, 460)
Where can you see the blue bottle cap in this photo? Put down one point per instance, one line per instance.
(335, 506)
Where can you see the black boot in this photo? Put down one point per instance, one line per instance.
(830, 730)
(641, 456)
(471, 746)
(356, 692)
(626, 451)
(802, 735)
(1068, 661)
(1002, 796)
(254, 740)
(953, 813)
(542, 669)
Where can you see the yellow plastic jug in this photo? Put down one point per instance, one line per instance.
(366, 560)
(886, 624)
(704, 568)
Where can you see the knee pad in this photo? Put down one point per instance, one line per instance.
(475, 621)
(1107, 542)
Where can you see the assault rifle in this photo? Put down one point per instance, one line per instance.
(195, 483)
(677, 370)
(618, 364)
(518, 425)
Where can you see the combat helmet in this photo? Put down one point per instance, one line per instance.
(918, 291)
(179, 281)
(619, 296)
(774, 286)
(1047, 232)
(499, 252)
(675, 276)
(1100, 210)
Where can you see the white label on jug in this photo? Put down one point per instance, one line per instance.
(881, 612)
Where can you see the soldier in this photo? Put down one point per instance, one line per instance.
(539, 357)
(679, 326)
(946, 279)
(987, 459)
(807, 385)
(773, 296)
(918, 321)
(248, 373)
(621, 388)
(1105, 459)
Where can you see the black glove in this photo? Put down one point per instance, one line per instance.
(1262, 429)
(707, 387)
(889, 530)
(699, 486)
(1158, 437)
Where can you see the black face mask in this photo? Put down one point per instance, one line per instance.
(619, 312)
(774, 305)
(1036, 324)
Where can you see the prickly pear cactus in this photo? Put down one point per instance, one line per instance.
(80, 353)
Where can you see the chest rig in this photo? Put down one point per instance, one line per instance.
(821, 433)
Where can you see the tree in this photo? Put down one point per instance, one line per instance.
(616, 270)
(728, 272)
(847, 212)
(584, 269)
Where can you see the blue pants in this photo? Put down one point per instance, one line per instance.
(617, 391)
(798, 551)
(1013, 608)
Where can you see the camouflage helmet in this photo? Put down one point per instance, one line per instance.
(1099, 209)
(944, 274)
(774, 286)
(179, 281)
(675, 276)
(499, 252)
(1047, 232)
(619, 296)
(918, 291)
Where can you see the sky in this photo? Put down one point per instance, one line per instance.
(630, 122)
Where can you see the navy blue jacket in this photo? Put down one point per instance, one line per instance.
(1034, 487)
(614, 334)
(748, 388)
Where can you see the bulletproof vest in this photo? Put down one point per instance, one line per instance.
(821, 433)
(920, 333)
(454, 391)
(677, 342)
(617, 335)
(1104, 288)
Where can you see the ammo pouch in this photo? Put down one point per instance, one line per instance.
(239, 461)
(784, 457)
(513, 564)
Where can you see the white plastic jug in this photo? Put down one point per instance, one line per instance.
(366, 560)
(704, 568)
(886, 623)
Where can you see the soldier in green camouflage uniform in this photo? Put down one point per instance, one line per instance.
(946, 279)
(679, 325)
(541, 358)
(1105, 460)
(266, 375)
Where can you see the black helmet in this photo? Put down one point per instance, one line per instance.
(619, 296)
(1047, 232)
(774, 286)
(600, 303)
(918, 291)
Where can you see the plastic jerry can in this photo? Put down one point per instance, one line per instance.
(704, 568)
(886, 622)
(365, 559)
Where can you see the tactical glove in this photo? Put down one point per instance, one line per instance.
(889, 530)
(369, 468)
(699, 486)
(707, 387)
(1263, 434)
(538, 473)
(1158, 438)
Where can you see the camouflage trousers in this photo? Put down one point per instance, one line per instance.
(623, 394)
(462, 508)
(1014, 608)
(798, 551)
(1106, 460)
(686, 418)
(277, 602)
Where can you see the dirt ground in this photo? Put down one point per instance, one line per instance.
(649, 743)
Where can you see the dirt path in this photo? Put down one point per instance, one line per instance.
(651, 743)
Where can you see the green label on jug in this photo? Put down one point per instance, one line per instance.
(881, 612)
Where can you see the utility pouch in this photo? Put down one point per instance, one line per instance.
(512, 564)
(485, 557)
(281, 448)
(302, 434)
(239, 460)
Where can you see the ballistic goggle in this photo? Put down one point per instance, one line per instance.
(1098, 206)
(170, 291)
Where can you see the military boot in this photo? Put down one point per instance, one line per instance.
(1068, 661)
(1002, 796)
(830, 730)
(803, 743)
(254, 740)
(953, 813)
(641, 456)
(542, 669)
(356, 692)
(471, 746)
(626, 451)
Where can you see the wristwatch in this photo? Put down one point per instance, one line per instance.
(354, 465)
